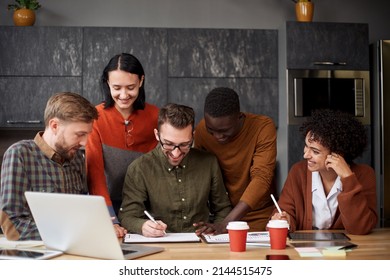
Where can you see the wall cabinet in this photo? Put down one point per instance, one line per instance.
(181, 65)
(327, 45)
(35, 63)
(324, 46)
(315, 46)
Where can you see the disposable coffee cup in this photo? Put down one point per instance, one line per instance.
(237, 235)
(278, 230)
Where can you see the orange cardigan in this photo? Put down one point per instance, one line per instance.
(107, 155)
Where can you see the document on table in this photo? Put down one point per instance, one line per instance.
(259, 238)
(169, 237)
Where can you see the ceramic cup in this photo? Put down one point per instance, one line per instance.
(278, 230)
(237, 235)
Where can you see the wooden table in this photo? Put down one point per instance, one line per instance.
(374, 246)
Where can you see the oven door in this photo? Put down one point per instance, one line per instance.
(341, 90)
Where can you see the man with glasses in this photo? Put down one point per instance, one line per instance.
(178, 185)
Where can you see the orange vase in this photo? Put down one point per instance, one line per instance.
(24, 17)
(304, 11)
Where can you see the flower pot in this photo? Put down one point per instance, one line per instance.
(24, 17)
(304, 11)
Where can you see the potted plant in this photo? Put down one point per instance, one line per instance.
(24, 12)
(304, 10)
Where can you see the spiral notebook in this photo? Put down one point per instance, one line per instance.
(259, 238)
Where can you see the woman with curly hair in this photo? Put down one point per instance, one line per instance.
(328, 190)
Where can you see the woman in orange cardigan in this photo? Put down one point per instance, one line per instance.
(328, 190)
(123, 131)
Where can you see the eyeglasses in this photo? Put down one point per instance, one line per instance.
(183, 147)
(129, 139)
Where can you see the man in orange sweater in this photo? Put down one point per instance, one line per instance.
(245, 145)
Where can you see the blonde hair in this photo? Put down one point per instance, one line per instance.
(71, 107)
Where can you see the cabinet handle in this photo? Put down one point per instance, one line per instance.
(329, 63)
(24, 122)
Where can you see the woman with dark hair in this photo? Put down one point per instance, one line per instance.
(123, 131)
(328, 190)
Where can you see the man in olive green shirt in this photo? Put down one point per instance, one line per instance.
(178, 185)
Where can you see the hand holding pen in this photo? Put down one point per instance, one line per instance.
(153, 228)
(281, 215)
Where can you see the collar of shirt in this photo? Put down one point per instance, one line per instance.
(317, 184)
(324, 208)
(47, 150)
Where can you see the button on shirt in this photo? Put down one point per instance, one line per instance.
(177, 195)
(324, 208)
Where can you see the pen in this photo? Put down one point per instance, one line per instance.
(276, 204)
(152, 219)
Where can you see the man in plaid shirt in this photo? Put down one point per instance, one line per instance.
(52, 162)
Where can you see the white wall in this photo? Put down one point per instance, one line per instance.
(257, 14)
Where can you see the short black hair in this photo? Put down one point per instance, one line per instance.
(222, 102)
(338, 131)
(128, 63)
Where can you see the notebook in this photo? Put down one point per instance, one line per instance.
(168, 238)
(258, 237)
(80, 225)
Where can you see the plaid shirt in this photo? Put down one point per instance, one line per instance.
(31, 165)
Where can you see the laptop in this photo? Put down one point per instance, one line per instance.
(80, 225)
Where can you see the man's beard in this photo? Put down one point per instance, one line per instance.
(66, 152)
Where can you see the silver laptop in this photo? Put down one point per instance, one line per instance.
(80, 225)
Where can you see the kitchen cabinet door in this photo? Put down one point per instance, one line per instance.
(333, 46)
(23, 99)
(36, 62)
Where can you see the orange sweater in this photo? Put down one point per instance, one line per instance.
(247, 164)
(108, 156)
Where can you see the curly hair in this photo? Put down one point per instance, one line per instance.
(340, 132)
(222, 102)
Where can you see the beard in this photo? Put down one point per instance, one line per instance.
(65, 151)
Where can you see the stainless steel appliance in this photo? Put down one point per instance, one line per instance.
(380, 80)
(344, 90)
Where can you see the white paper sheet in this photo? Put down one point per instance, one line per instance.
(169, 237)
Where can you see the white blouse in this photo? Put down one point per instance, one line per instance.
(324, 208)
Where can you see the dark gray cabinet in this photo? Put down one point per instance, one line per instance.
(181, 65)
(327, 45)
(323, 46)
(314, 46)
(243, 59)
(36, 62)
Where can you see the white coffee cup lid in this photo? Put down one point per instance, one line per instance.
(237, 225)
(277, 224)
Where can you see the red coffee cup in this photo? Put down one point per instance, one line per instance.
(237, 235)
(278, 230)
